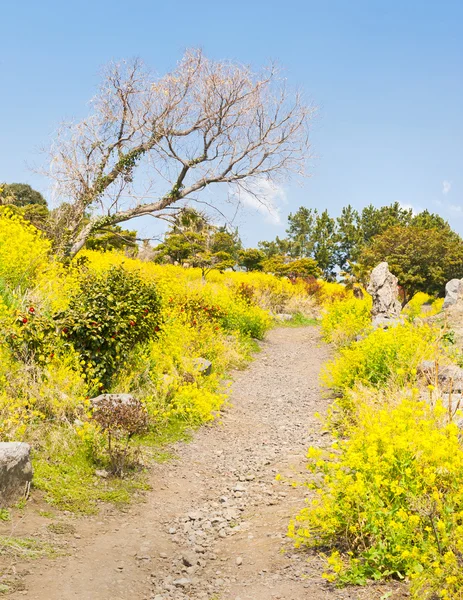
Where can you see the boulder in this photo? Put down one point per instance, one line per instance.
(15, 472)
(385, 293)
(453, 292)
(115, 400)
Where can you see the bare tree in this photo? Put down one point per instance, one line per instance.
(151, 143)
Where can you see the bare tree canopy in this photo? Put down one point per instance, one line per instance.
(150, 143)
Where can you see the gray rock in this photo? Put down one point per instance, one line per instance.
(115, 399)
(426, 367)
(283, 317)
(385, 293)
(380, 321)
(102, 473)
(15, 472)
(203, 365)
(239, 487)
(453, 292)
(449, 377)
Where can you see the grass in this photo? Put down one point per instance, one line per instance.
(65, 471)
(300, 320)
(24, 547)
(4, 514)
(47, 514)
(61, 528)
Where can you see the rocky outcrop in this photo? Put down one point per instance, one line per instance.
(384, 290)
(449, 377)
(452, 316)
(15, 472)
(453, 292)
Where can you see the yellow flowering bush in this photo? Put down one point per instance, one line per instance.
(423, 305)
(390, 500)
(384, 356)
(331, 291)
(46, 376)
(343, 320)
(23, 250)
(270, 293)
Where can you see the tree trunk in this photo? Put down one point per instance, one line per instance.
(79, 242)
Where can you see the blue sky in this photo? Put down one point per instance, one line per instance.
(387, 78)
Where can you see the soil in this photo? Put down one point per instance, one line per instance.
(214, 525)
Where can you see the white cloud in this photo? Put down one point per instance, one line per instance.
(446, 187)
(455, 208)
(414, 210)
(265, 197)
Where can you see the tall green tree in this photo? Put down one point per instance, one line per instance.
(422, 259)
(349, 238)
(193, 239)
(325, 244)
(278, 246)
(428, 220)
(251, 259)
(20, 194)
(301, 232)
(374, 221)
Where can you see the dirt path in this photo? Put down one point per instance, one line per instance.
(214, 526)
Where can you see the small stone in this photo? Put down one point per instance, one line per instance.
(189, 559)
(239, 487)
(172, 531)
(102, 473)
(239, 561)
(182, 583)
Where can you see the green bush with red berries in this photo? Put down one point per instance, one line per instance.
(112, 312)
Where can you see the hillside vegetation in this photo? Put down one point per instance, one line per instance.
(105, 323)
(386, 497)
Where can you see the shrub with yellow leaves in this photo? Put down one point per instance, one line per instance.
(385, 356)
(343, 320)
(390, 500)
(23, 250)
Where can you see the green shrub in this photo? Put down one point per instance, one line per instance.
(113, 311)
